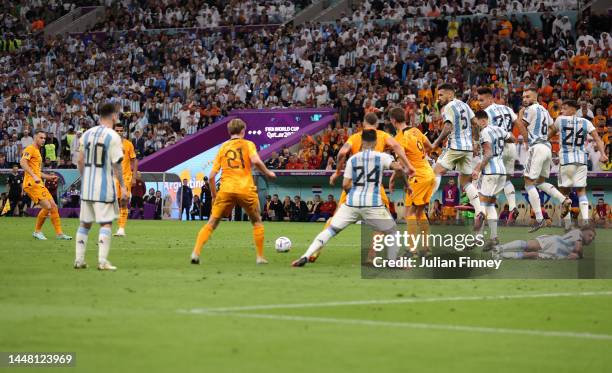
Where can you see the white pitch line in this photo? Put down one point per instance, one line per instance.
(459, 328)
(395, 301)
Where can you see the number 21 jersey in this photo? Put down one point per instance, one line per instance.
(234, 161)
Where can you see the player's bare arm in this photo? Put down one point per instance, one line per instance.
(256, 161)
(521, 124)
(398, 170)
(213, 185)
(510, 138)
(340, 160)
(347, 183)
(26, 168)
(119, 175)
(486, 157)
(81, 162)
(475, 130)
(134, 168)
(600, 147)
(446, 130)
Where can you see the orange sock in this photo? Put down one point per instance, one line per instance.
(424, 228)
(203, 236)
(258, 237)
(123, 216)
(40, 219)
(56, 221)
(411, 224)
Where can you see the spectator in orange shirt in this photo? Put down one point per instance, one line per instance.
(505, 28)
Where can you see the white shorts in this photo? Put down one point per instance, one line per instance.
(538, 162)
(460, 161)
(98, 212)
(491, 185)
(377, 217)
(573, 176)
(509, 157)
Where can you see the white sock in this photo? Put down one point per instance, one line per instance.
(518, 245)
(472, 194)
(319, 241)
(104, 240)
(510, 195)
(492, 219)
(81, 244)
(534, 200)
(567, 221)
(552, 191)
(583, 203)
(512, 254)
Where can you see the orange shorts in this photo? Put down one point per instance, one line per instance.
(448, 212)
(128, 185)
(383, 196)
(225, 201)
(422, 189)
(37, 192)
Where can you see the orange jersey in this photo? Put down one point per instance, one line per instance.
(412, 140)
(32, 154)
(381, 141)
(128, 154)
(234, 161)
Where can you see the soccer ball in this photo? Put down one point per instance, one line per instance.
(283, 244)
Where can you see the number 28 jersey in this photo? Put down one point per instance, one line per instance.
(365, 169)
(460, 115)
(234, 161)
(573, 132)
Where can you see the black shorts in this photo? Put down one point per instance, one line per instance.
(137, 202)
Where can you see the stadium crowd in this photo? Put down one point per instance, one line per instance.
(169, 86)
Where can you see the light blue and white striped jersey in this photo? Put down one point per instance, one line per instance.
(538, 119)
(496, 136)
(460, 115)
(573, 132)
(101, 147)
(365, 169)
(563, 246)
(501, 116)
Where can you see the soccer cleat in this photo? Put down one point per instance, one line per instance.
(106, 266)
(537, 225)
(195, 259)
(313, 258)
(513, 215)
(566, 206)
(490, 244)
(80, 265)
(479, 221)
(261, 260)
(39, 236)
(63, 237)
(120, 233)
(300, 262)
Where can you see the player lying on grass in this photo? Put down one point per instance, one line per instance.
(234, 160)
(352, 146)
(568, 246)
(362, 184)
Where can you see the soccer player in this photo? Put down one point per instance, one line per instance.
(353, 146)
(492, 143)
(129, 168)
(537, 119)
(415, 145)
(458, 119)
(504, 117)
(235, 160)
(569, 246)
(34, 187)
(99, 162)
(573, 156)
(363, 184)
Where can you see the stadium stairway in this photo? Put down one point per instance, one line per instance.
(78, 20)
(321, 11)
(267, 122)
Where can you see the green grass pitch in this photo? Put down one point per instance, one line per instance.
(142, 318)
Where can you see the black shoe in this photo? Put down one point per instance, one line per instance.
(490, 244)
(566, 206)
(513, 215)
(479, 221)
(300, 262)
(195, 260)
(537, 225)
